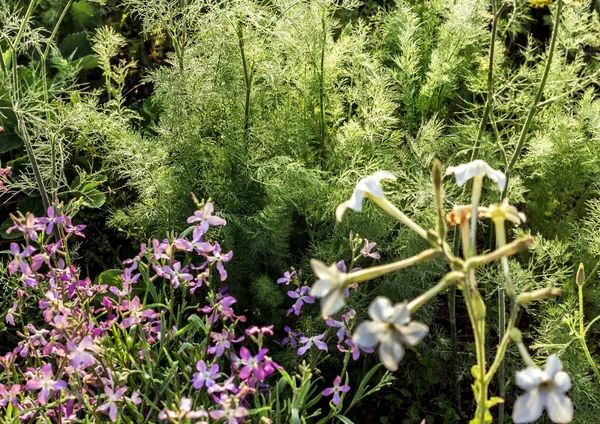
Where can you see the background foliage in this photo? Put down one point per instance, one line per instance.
(275, 109)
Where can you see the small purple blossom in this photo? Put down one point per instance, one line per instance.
(113, 396)
(252, 364)
(51, 220)
(292, 337)
(206, 218)
(10, 319)
(81, 353)
(301, 295)
(205, 376)
(336, 390)
(220, 259)
(309, 341)
(19, 261)
(366, 250)
(259, 330)
(287, 278)
(184, 413)
(45, 384)
(10, 395)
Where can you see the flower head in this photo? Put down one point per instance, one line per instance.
(309, 341)
(370, 187)
(205, 376)
(330, 287)
(287, 278)
(507, 212)
(543, 390)
(477, 168)
(45, 384)
(391, 328)
(301, 295)
(366, 250)
(336, 390)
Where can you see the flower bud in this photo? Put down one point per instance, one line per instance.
(516, 335)
(580, 279)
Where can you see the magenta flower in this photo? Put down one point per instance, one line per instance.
(308, 342)
(19, 261)
(287, 278)
(205, 376)
(301, 295)
(222, 308)
(46, 384)
(206, 218)
(220, 259)
(336, 390)
(136, 314)
(366, 250)
(80, 354)
(113, 396)
(184, 413)
(262, 330)
(197, 243)
(10, 319)
(252, 364)
(74, 229)
(355, 349)
(222, 342)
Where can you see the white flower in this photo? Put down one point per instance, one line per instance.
(370, 186)
(391, 328)
(477, 168)
(330, 287)
(543, 389)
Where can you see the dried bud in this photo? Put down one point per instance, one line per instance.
(539, 294)
(462, 213)
(580, 279)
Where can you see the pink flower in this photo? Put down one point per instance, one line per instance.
(10, 319)
(335, 390)
(9, 396)
(45, 384)
(80, 354)
(184, 412)
(230, 412)
(19, 261)
(366, 250)
(220, 259)
(113, 396)
(262, 330)
(206, 218)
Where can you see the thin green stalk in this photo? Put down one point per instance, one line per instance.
(322, 80)
(582, 333)
(453, 328)
(538, 96)
(247, 78)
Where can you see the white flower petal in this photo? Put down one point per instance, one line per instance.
(356, 200)
(390, 353)
(553, 365)
(401, 314)
(367, 333)
(340, 210)
(497, 176)
(559, 406)
(372, 183)
(322, 287)
(477, 168)
(412, 333)
(529, 378)
(381, 309)
(332, 302)
(528, 407)
(562, 381)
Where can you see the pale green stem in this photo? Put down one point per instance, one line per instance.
(378, 271)
(391, 209)
(449, 280)
(582, 332)
(475, 197)
(525, 355)
(501, 242)
(508, 250)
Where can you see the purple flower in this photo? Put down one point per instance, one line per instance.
(136, 314)
(355, 349)
(45, 384)
(222, 342)
(252, 364)
(292, 337)
(71, 229)
(221, 307)
(197, 244)
(19, 261)
(366, 250)
(262, 330)
(230, 412)
(206, 218)
(9, 396)
(80, 354)
(302, 296)
(113, 396)
(287, 278)
(308, 342)
(184, 413)
(227, 386)
(50, 220)
(28, 226)
(10, 319)
(335, 390)
(342, 330)
(220, 259)
(205, 376)
(176, 275)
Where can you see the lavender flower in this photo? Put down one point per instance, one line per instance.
(51, 220)
(113, 396)
(45, 384)
(184, 413)
(80, 354)
(220, 259)
(336, 390)
(10, 319)
(292, 337)
(287, 278)
(206, 218)
(366, 250)
(18, 261)
(301, 295)
(205, 376)
(309, 341)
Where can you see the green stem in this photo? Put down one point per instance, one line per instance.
(582, 333)
(538, 96)
(448, 281)
(247, 78)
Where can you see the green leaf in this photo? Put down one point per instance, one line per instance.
(9, 142)
(5, 226)
(110, 277)
(343, 419)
